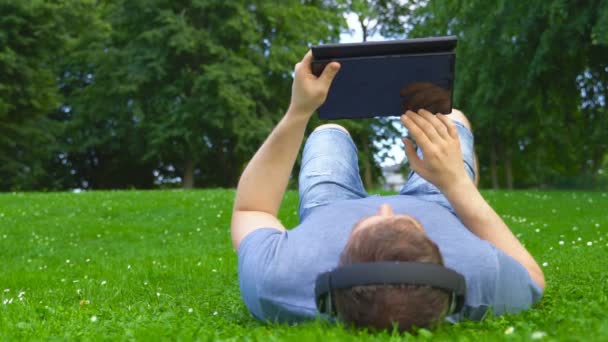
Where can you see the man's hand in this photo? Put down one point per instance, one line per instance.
(270, 167)
(442, 165)
(437, 137)
(308, 91)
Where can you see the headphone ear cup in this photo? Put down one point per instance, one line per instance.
(329, 304)
(452, 303)
(323, 294)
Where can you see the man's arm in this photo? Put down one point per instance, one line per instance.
(443, 166)
(263, 183)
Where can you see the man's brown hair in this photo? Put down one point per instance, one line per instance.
(382, 306)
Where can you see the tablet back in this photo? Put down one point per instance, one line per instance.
(388, 78)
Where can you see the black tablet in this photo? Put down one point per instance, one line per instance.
(387, 78)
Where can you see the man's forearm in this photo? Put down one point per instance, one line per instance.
(483, 221)
(263, 183)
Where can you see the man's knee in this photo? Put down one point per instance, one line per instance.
(331, 125)
(459, 116)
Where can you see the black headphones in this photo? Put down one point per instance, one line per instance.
(389, 273)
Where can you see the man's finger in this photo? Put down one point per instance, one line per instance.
(424, 125)
(307, 59)
(412, 157)
(330, 72)
(452, 130)
(305, 65)
(414, 130)
(439, 126)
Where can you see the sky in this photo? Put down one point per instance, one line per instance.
(357, 36)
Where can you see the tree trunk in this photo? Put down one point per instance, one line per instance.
(363, 29)
(188, 178)
(508, 171)
(493, 164)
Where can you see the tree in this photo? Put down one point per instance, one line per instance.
(27, 87)
(530, 76)
(193, 87)
(374, 137)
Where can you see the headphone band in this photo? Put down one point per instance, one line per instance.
(389, 273)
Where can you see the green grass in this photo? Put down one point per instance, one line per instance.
(159, 265)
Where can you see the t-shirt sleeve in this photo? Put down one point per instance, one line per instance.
(256, 252)
(515, 289)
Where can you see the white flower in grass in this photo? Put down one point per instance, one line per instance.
(589, 243)
(157, 294)
(93, 318)
(214, 313)
(545, 264)
(190, 310)
(537, 335)
(509, 330)
(561, 242)
(214, 270)
(67, 261)
(103, 282)
(7, 290)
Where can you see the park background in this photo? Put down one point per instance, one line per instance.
(155, 94)
(159, 94)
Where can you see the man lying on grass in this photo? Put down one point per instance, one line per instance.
(438, 217)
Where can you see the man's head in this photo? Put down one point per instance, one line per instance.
(390, 237)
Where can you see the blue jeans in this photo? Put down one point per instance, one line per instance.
(330, 171)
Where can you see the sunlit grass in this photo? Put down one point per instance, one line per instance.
(159, 265)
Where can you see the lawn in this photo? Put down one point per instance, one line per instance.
(156, 265)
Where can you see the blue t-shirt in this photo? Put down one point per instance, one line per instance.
(277, 270)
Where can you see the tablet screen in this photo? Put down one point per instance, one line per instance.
(388, 85)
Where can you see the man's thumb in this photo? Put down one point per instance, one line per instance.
(410, 152)
(330, 72)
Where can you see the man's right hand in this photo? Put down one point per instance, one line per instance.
(308, 92)
(437, 136)
(443, 166)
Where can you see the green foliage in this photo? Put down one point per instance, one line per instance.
(121, 94)
(30, 40)
(35, 40)
(531, 76)
(199, 84)
(159, 265)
